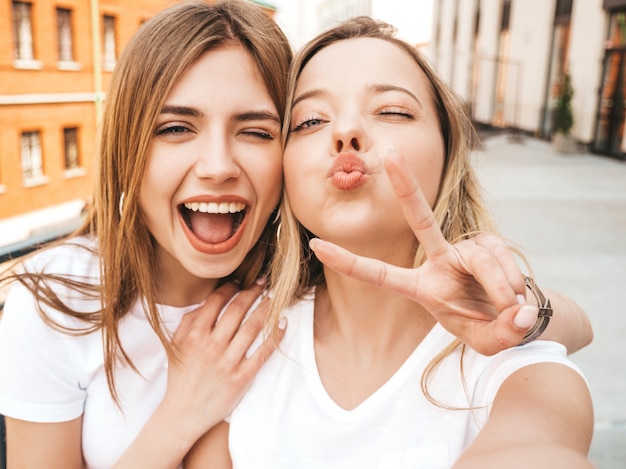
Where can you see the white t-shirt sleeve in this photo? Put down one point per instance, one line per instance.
(505, 363)
(38, 380)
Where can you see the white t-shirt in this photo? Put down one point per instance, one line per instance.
(287, 420)
(49, 376)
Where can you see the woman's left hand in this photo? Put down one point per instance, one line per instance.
(474, 287)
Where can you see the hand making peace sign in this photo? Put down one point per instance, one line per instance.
(474, 287)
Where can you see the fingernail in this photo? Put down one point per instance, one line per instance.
(282, 324)
(313, 242)
(526, 317)
(261, 280)
(521, 299)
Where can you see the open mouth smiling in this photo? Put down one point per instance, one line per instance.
(213, 223)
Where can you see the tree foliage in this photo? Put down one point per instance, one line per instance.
(563, 113)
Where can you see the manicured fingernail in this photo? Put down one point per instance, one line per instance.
(521, 299)
(261, 280)
(282, 324)
(313, 242)
(526, 317)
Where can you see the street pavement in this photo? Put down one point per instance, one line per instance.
(568, 214)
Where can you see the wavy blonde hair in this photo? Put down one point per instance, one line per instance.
(152, 62)
(459, 208)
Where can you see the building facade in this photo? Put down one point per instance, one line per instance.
(56, 60)
(508, 60)
(412, 20)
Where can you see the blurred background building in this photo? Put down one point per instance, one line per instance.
(509, 60)
(506, 58)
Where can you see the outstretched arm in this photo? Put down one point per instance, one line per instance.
(531, 424)
(569, 324)
(474, 287)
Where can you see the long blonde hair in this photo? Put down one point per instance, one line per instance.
(459, 208)
(157, 55)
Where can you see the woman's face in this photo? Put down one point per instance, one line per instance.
(354, 100)
(213, 173)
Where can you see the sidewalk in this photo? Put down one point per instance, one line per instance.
(568, 213)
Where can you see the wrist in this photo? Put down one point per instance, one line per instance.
(545, 312)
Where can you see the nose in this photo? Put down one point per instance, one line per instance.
(215, 160)
(349, 135)
(349, 143)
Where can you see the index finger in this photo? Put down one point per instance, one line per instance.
(415, 207)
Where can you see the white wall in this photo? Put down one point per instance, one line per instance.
(487, 50)
(586, 57)
(531, 36)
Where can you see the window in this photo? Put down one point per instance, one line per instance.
(70, 138)
(32, 163)
(64, 33)
(22, 31)
(109, 42)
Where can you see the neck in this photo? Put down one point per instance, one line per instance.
(366, 319)
(183, 290)
(362, 336)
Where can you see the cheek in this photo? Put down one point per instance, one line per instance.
(268, 179)
(429, 170)
(293, 167)
(157, 179)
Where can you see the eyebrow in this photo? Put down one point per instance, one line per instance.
(181, 111)
(381, 88)
(377, 88)
(308, 95)
(256, 116)
(243, 117)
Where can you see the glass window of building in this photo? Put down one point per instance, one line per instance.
(32, 161)
(109, 46)
(64, 33)
(70, 139)
(22, 31)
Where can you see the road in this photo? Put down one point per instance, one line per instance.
(568, 213)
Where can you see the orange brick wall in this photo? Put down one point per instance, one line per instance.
(49, 120)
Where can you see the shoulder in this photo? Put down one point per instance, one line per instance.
(496, 369)
(62, 273)
(76, 256)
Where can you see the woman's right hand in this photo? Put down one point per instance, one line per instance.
(210, 370)
(207, 375)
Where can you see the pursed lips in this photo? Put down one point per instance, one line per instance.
(348, 172)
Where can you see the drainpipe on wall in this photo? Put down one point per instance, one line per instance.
(97, 58)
